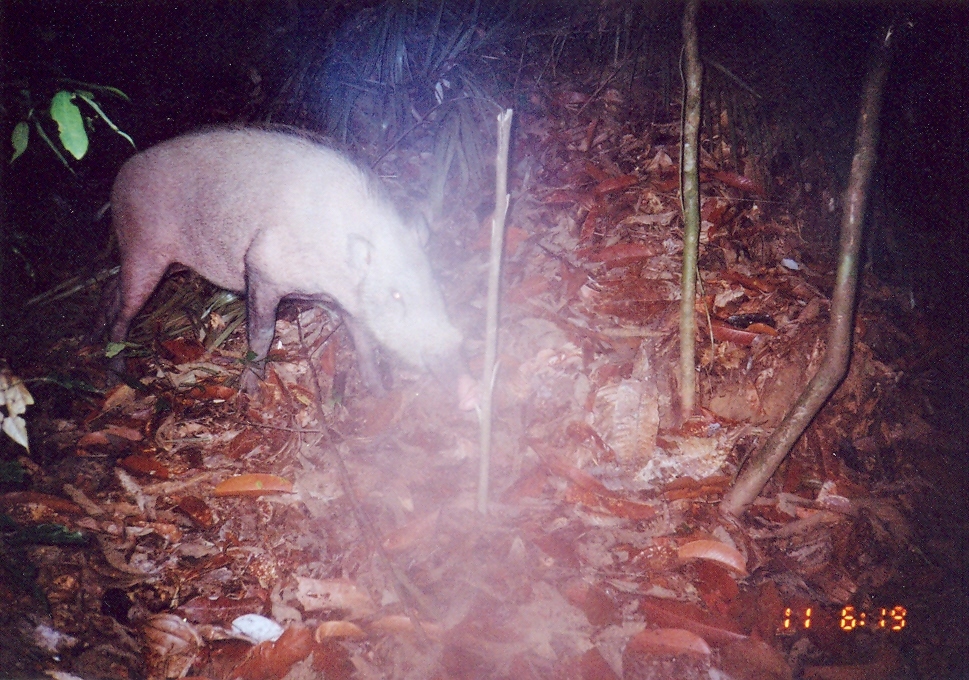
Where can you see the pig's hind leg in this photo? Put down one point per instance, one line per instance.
(125, 297)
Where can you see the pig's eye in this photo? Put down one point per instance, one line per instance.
(397, 302)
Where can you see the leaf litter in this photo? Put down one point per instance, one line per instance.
(347, 519)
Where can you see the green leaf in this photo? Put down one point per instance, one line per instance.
(89, 98)
(113, 349)
(19, 139)
(70, 124)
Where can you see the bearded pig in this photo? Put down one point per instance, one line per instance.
(277, 215)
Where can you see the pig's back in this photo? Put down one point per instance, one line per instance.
(202, 199)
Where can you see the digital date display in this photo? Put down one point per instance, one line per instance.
(848, 619)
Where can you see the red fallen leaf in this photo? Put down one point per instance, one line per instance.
(737, 181)
(620, 254)
(244, 443)
(339, 629)
(395, 624)
(220, 611)
(590, 135)
(609, 504)
(197, 510)
(558, 548)
(573, 278)
(614, 184)
(593, 667)
(589, 491)
(724, 332)
(278, 354)
(688, 483)
(560, 196)
(669, 613)
(594, 171)
(732, 276)
(528, 289)
(331, 594)
(714, 209)
(183, 350)
(514, 236)
(270, 660)
(716, 586)
(762, 328)
(211, 391)
(589, 224)
(116, 396)
(128, 433)
(599, 608)
(754, 658)
(580, 432)
(219, 657)
(667, 184)
(703, 489)
(582, 480)
(93, 439)
(34, 497)
(172, 639)
(414, 531)
(332, 661)
(662, 641)
(142, 465)
(252, 485)
(716, 551)
(528, 485)
(109, 436)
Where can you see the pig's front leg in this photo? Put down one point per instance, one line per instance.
(366, 356)
(261, 304)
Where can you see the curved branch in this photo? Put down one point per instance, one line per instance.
(834, 366)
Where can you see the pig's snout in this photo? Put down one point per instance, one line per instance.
(451, 371)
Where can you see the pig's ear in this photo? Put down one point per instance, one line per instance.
(359, 255)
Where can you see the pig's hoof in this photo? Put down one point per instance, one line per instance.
(249, 382)
(469, 393)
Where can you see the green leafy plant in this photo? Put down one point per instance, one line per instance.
(72, 125)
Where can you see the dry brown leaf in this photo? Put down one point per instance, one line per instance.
(333, 594)
(269, 660)
(142, 465)
(716, 551)
(716, 629)
(754, 659)
(414, 531)
(253, 485)
(667, 641)
(121, 394)
(338, 629)
(55, 503)
(397, 623)
(173, 641)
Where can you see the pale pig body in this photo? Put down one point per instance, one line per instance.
(277, 215)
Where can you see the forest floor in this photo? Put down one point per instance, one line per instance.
(137, 534)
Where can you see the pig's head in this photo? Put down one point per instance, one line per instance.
(399, 301)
